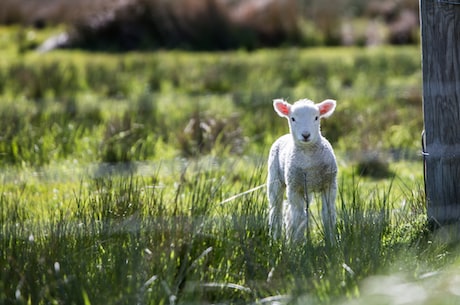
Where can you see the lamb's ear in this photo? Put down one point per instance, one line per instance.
(282, 107)
(326, 108)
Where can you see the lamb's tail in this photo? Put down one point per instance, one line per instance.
(243, 193)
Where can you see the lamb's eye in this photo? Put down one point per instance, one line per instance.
(293, 119)
(316, 118)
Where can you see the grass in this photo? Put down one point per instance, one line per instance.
(130, 102)
(116, 170)
(126, 238)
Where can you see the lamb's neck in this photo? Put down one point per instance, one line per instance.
(309, 147)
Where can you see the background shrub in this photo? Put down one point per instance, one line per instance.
(216, 24)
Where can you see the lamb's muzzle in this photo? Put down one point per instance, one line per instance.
(306, 137)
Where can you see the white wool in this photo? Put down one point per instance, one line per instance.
(301, 162)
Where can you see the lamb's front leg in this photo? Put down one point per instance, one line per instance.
(296, 219)
(275, 190)
(328, 212)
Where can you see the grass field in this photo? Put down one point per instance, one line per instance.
(116, 172)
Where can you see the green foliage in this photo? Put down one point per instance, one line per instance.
(115, 172)
(160, 243)
(121, 108)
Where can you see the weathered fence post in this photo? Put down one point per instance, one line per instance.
(440, 33)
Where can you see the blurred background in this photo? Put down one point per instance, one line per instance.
(119, 25)
(343, 49)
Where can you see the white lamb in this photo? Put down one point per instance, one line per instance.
(302, 162)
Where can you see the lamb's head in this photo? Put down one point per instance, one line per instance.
(304, 117)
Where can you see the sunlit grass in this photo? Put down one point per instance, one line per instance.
(118, 108)
(168, 235)
(124, 179)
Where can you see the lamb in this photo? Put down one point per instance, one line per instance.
(302, 163)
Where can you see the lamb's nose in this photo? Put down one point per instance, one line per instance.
(306, 136)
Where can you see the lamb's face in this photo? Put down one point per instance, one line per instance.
(304, 118)
(304, 122)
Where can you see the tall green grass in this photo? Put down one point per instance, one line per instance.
(124, 239)
(112, 108)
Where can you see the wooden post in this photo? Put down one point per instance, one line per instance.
(440, 33)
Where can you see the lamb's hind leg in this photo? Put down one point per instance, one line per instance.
(295, 219)
(328, 212)
(275, 190)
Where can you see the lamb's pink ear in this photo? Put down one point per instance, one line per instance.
(326, 108)
(282, 107)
